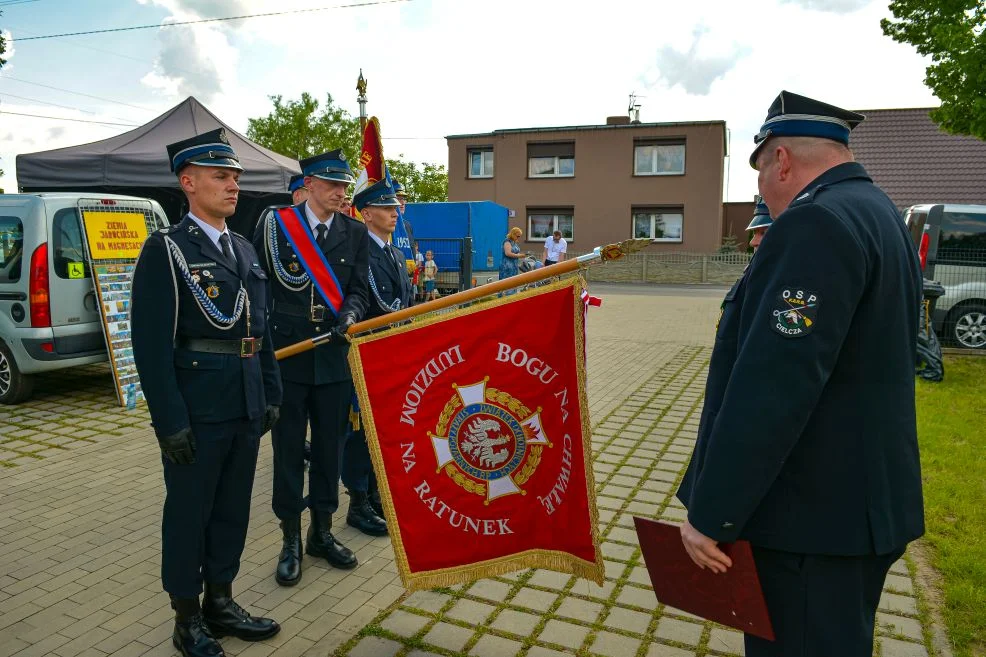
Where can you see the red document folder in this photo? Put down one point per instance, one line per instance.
(733, 598)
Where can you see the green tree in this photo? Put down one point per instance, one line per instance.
(3, 46)
(953, 34)
(302, 128)
(299, 129)
(429, 183)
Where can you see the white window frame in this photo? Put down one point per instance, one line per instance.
(554, 225)
(652, 172)
(654, 214)
(483, 162)
(558, 159)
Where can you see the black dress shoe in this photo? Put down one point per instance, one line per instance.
(321, 543)
(226, 618)
(191, 636)
(362, 517)
(289, 562)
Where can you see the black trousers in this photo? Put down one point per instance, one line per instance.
(820, 606)
(357, 468)
(207, 507)
(326, 408)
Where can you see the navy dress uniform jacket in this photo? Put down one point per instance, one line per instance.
(345, 250)
(807, 441)
(184, 387)
(391, 283)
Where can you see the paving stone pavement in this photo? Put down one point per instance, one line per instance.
(79, 530)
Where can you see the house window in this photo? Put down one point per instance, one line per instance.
(659, 224)
(480, 162)
(542, 223)
(659, 158)
(551, 160)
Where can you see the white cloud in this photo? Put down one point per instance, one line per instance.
(694, 71)
(833, 6)
(194, 60)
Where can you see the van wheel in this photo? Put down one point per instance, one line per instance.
(969, 326)
(15, 387)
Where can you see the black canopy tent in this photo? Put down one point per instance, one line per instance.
(136, 163)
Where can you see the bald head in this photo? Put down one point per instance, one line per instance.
(787, 164)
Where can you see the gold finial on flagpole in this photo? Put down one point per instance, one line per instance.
(361, 99)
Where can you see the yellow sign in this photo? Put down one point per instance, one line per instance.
(76, 270)
(114, 235)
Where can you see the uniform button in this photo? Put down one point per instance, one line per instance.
(342, 260)
(318, 329)
(195, 363)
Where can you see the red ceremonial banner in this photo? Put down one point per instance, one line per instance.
(478, 427)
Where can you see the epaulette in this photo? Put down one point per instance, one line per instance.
(806, 197)
(167, 230)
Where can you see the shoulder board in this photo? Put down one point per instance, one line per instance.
(805, 198)
(235, 234)
(167, 230)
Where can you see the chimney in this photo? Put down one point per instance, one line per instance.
(617, 120)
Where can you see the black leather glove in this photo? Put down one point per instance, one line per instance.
(179, 448)
(341, 326)
(271, 417)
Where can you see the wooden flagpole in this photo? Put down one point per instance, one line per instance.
(599, 254)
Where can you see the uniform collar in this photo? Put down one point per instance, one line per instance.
(211, 232)
(838, 173)
(313, 221)
(380, 242)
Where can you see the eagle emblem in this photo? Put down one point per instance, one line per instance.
(488, 442)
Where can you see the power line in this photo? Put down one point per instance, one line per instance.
(16, 28)
(211, 20)
(65, 118)
(15, 2)
(77, 93)
(45, 102)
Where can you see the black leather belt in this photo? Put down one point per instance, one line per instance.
(315, 313)
(244, 347)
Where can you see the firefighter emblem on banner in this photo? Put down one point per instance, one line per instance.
(493, 443)
(480, 438)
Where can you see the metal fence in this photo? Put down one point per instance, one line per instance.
(960, 313)
(672, 268)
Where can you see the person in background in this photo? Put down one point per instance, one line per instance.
(511, 253)
(555, 248)
(430, 274)
(759, 225)
(299, 193)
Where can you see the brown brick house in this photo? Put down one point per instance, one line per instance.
(600, 183)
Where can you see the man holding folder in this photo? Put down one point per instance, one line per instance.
(824, 481)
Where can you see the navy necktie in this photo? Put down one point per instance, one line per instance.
(227, 248)
(322, 232)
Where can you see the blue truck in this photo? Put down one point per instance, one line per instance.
(466, 239)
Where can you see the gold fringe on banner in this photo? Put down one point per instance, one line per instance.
(550, 559)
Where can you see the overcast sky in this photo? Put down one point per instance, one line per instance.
(441, 67)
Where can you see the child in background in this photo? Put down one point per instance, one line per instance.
(431, 270)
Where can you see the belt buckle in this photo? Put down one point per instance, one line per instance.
(317, 313)
(248, 347)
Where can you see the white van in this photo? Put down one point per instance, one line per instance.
(951, 241)
(49, 317)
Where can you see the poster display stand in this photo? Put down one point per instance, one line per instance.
(115, 231)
